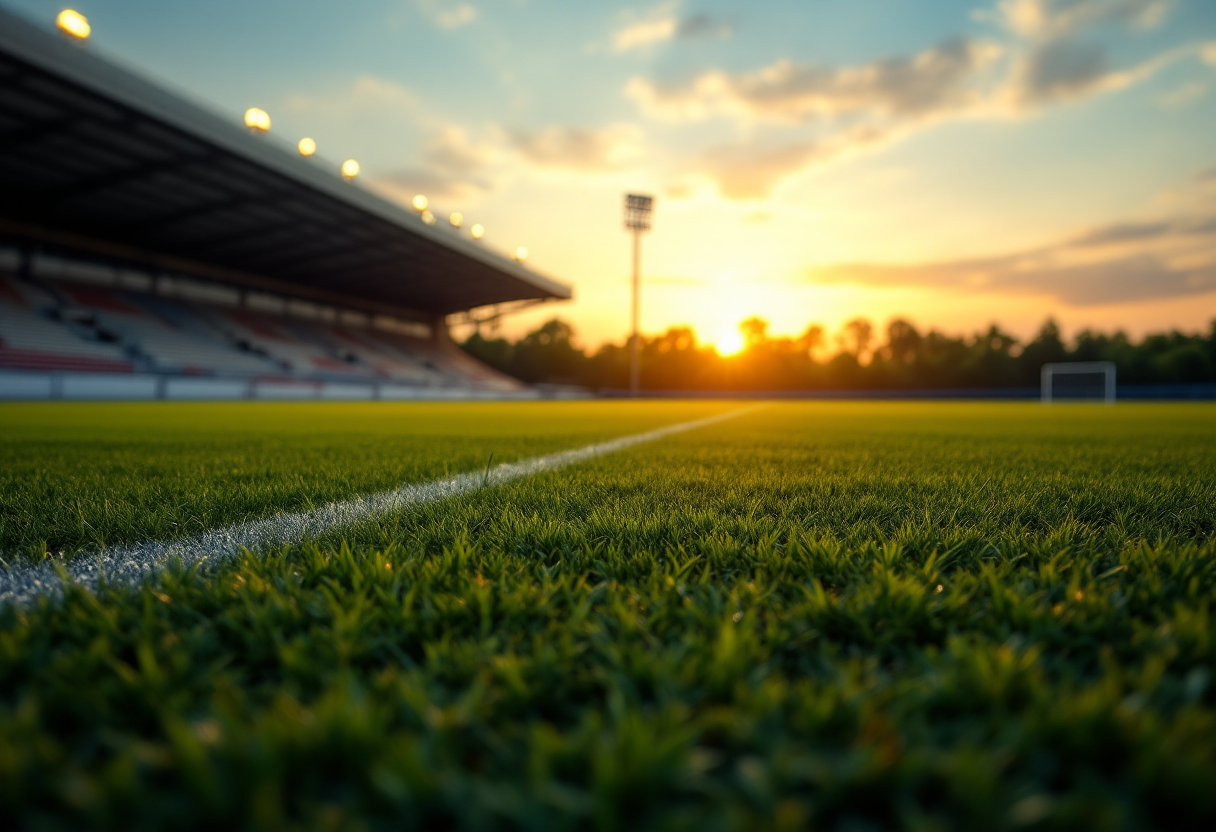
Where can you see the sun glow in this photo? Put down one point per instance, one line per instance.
(729, 342)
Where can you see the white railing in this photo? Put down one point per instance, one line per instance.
(44, 386)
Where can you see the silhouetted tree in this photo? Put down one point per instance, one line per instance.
(907, 358)
(903, 342)
(812, 341)
(856, 338)
(755, 332)
(1044, 349)
(549, 354)
(497, 352)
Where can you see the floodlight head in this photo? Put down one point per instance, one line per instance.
(456, 219)
(521, 254)
(307, 147)
(638, 209)
(428, 217)
(350, 169)
(73, 23)
(257, 120)
(420, 202)
(477, 231)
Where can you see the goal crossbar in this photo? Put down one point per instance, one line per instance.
(1066, 368)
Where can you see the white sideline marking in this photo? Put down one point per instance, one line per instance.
(131, 564)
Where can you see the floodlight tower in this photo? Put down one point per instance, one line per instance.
(638, 210)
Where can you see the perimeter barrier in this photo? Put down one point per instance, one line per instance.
(17, 385)
(1125, 392)
(22, 385)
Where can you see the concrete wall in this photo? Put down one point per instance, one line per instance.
(16, 385)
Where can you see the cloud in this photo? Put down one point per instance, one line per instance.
(1056, 18)
(705, 26)
(448, 15)
(1209, 53)
(581, 149)
(367, 94)
(1114, 264)
(1185, 94)
(1139, 277)
(453, 167)
(645, 33)
(402, 185)
(750, 170)
(863, 106)
(1058, 62)
(1060, 69)
(746, 172)
(451, 151)
(1052, 51)
(662, 24)
(791, 92)
(1121, 233)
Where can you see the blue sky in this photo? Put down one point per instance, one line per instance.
(953, 162)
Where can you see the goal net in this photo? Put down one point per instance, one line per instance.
(1078, 381)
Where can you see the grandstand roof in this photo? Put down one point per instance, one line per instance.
(94, 156)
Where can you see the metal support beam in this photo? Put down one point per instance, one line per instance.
(243, 242)
(11, 140)
(489, 314)
(164, 220)
(50, 198)
(27, 234)
(340, 245)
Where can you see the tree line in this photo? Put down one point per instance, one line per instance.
(859, 357)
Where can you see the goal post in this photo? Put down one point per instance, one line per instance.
(1087, 381)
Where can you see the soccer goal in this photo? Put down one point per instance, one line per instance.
(1078, 381)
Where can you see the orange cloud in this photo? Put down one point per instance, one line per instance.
(1146, 260)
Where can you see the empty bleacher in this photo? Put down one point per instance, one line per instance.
(35, 334)
(82, 327)
(295, 346)
(167, 336)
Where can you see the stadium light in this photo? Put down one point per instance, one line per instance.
(428, 217)
(307, 147)
(350, 169)
(521, 254)
(456, 219)
(477, 231)
(420, 202)
(638, 211)
(257, 120)
(72, 22)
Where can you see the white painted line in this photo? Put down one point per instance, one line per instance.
(129, 565)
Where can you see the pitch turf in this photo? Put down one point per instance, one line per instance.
(847, 616)
(78, 477)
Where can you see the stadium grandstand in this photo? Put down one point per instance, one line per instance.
(152, 249)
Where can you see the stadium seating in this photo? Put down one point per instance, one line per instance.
(56, 325)
(167, 336)
(31, 339)
(294, 346)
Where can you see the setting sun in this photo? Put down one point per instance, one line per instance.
(729, 342)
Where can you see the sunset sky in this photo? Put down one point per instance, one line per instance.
(952, 162)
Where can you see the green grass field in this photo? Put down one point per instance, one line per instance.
(814, 615)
